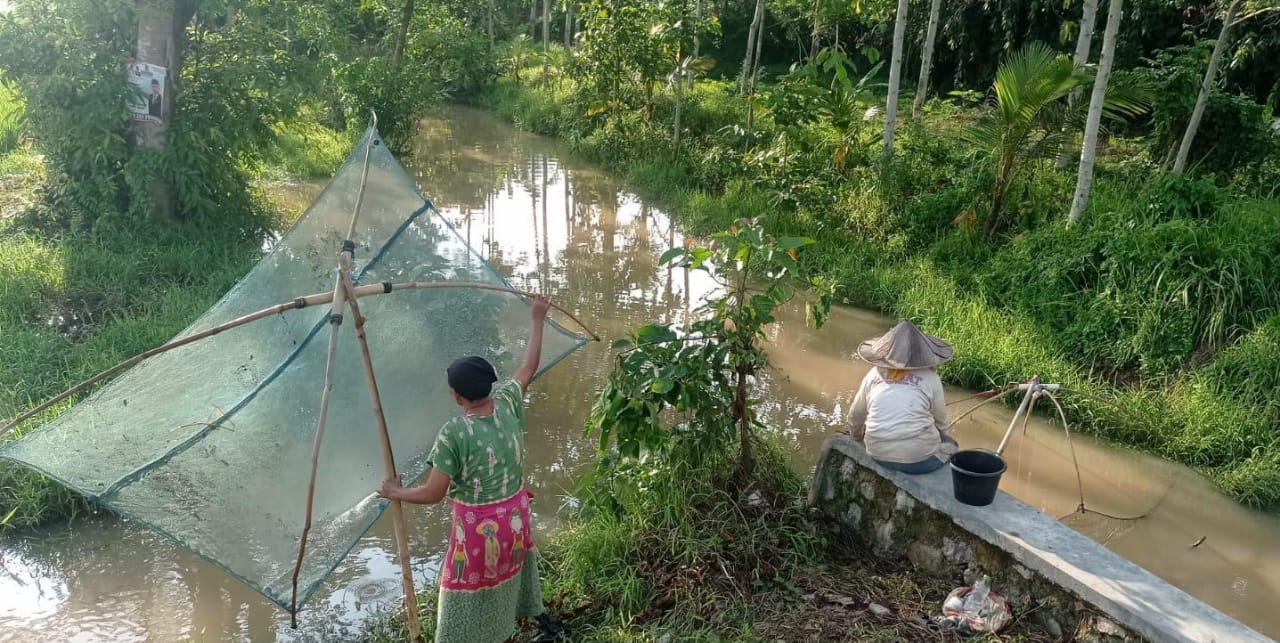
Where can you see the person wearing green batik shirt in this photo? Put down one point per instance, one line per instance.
(489, 577)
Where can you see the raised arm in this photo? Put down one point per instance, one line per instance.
(533, 352)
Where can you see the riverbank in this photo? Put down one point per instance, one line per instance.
(1158, 311)
(687, 559)
(73, 303)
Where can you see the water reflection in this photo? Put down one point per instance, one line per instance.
(547, 223)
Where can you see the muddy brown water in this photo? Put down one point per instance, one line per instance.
(548, 222)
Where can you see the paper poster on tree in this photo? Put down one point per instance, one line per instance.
(147, 106)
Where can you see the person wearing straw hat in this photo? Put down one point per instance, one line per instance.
(490, 577)
(899, 412)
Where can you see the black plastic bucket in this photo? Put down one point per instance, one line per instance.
(975, 474)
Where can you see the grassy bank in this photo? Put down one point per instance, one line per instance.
(665, 551)
(1159, 311)
(73, 304)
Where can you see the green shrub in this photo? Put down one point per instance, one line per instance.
(11, 118)
(1235, 132)
(1169, 196)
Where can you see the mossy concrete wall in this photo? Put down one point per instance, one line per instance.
(1074, 587)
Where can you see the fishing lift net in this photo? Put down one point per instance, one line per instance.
(211, 443)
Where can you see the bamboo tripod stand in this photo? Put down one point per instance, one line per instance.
(345, 294)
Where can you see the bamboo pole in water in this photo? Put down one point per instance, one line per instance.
(345, 258)
(335, 322)
(316, 299)
(389, 463)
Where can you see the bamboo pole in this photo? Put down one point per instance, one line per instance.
(389, 462)
(364, 178)
(335, 322)
(345, 258)
(316, 299)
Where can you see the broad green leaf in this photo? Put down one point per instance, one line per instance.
(654, 333)
(671, 254)
(789, 243)
(621, 343)
(662, 386)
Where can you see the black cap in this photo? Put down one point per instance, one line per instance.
(472, 377)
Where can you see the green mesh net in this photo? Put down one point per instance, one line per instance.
(211, 443)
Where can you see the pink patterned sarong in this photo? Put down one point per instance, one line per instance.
(488, 544)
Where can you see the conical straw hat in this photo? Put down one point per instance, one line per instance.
(905, 347)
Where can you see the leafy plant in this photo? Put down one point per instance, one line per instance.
(1032, 117)
(1235, 132)
(11, 119)
(702, 373)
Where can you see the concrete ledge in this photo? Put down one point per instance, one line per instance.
(1028, 554)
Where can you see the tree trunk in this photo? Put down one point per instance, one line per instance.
(744, 80)
(1083, 42)
(675, 128)
(533, 19)
(490, 25)
(157, 28)
(406, 15)
(568, 24)
(1210, 75)
(926, 58)
(895, 80)
(546, 39)
(755, 72)
(817, 29)
(1088, 152)
(697, 16)
(745, 461)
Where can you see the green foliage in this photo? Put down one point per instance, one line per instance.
(1169, 196)
(1235, 133)
(1136, 308)
(629, 46)
(397, 95)
(701, 372)
(446, 50)
(11, 119)
(1032, 118)
(67, 61)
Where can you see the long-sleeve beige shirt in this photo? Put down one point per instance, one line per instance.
(900, 421)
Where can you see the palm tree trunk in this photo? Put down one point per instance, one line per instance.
(1083, 43)
(895, 80)
(675, 128)
(1210, 75)
(817, 28)
(546, 39)
(568, 24)
(926, 58)
(1084, 180)
(490, 25)
(755, 72)
(753, 33)
(697, 16)
(406, 15)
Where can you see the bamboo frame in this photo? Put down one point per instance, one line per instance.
(345, 294)
(388, 460)
(335, 322)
